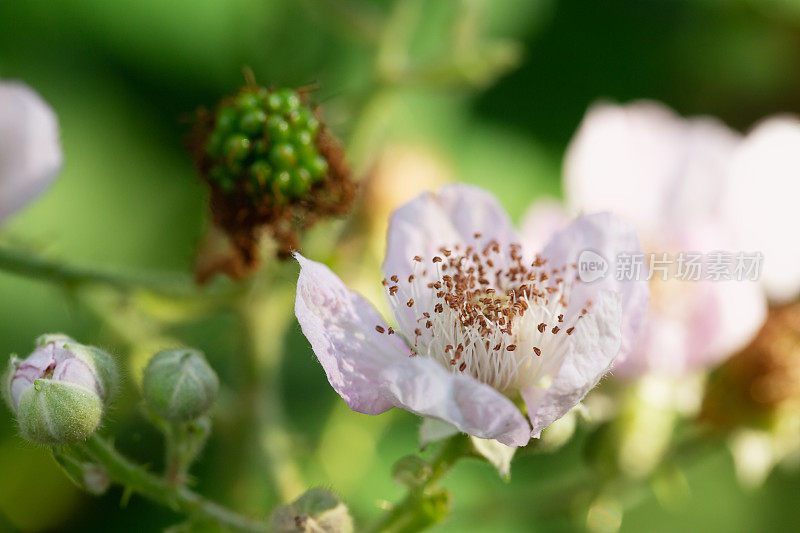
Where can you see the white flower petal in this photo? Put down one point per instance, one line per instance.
(541, 221)
(645, 163)
(621, 159)
(423, 386)
(593, 348)
(608, 236)
(499, 455)
(340, 325)
(761, 202)
(433, 429)
(30, 152)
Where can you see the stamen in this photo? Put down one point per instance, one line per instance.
(491, 306)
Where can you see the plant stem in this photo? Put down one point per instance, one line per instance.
(264, 321)
(70, 276)
(406, 515)
(181, 499)
(184, 442)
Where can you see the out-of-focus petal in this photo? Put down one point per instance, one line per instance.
(622, 159)
(541, 221)
(340, 325)
(424, 387)
(701, 171)
(30, 151)
(593, 347)
(761, 202)
(693, 324)
(644, 162)
(607, 236)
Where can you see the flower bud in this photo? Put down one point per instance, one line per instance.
(318, 511)
(180, 385)
(60, 391)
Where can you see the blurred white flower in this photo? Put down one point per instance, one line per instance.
(761, 198)
(30, 151)
(692, 185)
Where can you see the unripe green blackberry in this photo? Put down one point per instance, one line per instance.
(270, 163)
(264, 132)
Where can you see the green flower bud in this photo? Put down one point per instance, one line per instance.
(60, 391)
(317, 511)
(57, 413)
(179, 385)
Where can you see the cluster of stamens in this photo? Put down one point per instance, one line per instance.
(485, 311)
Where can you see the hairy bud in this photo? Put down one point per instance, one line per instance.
(60, 391)
(180, 385)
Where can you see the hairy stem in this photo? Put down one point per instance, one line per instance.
(137, 479)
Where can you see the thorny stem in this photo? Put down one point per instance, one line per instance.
(407, 515)
(136, 479)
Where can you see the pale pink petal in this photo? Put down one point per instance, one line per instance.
(693, 324)
(541, 221)
(741, 309)
(645, 163)
(607, 236)
(701, 171)
(30, 152)
(431, 221)
(423, 386)
(374, 372)
(762, 202)
(622, 159)
(340, 325)
(593, 347)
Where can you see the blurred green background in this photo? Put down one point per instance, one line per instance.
(124, 75)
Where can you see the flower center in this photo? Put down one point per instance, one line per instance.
(487, 312)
